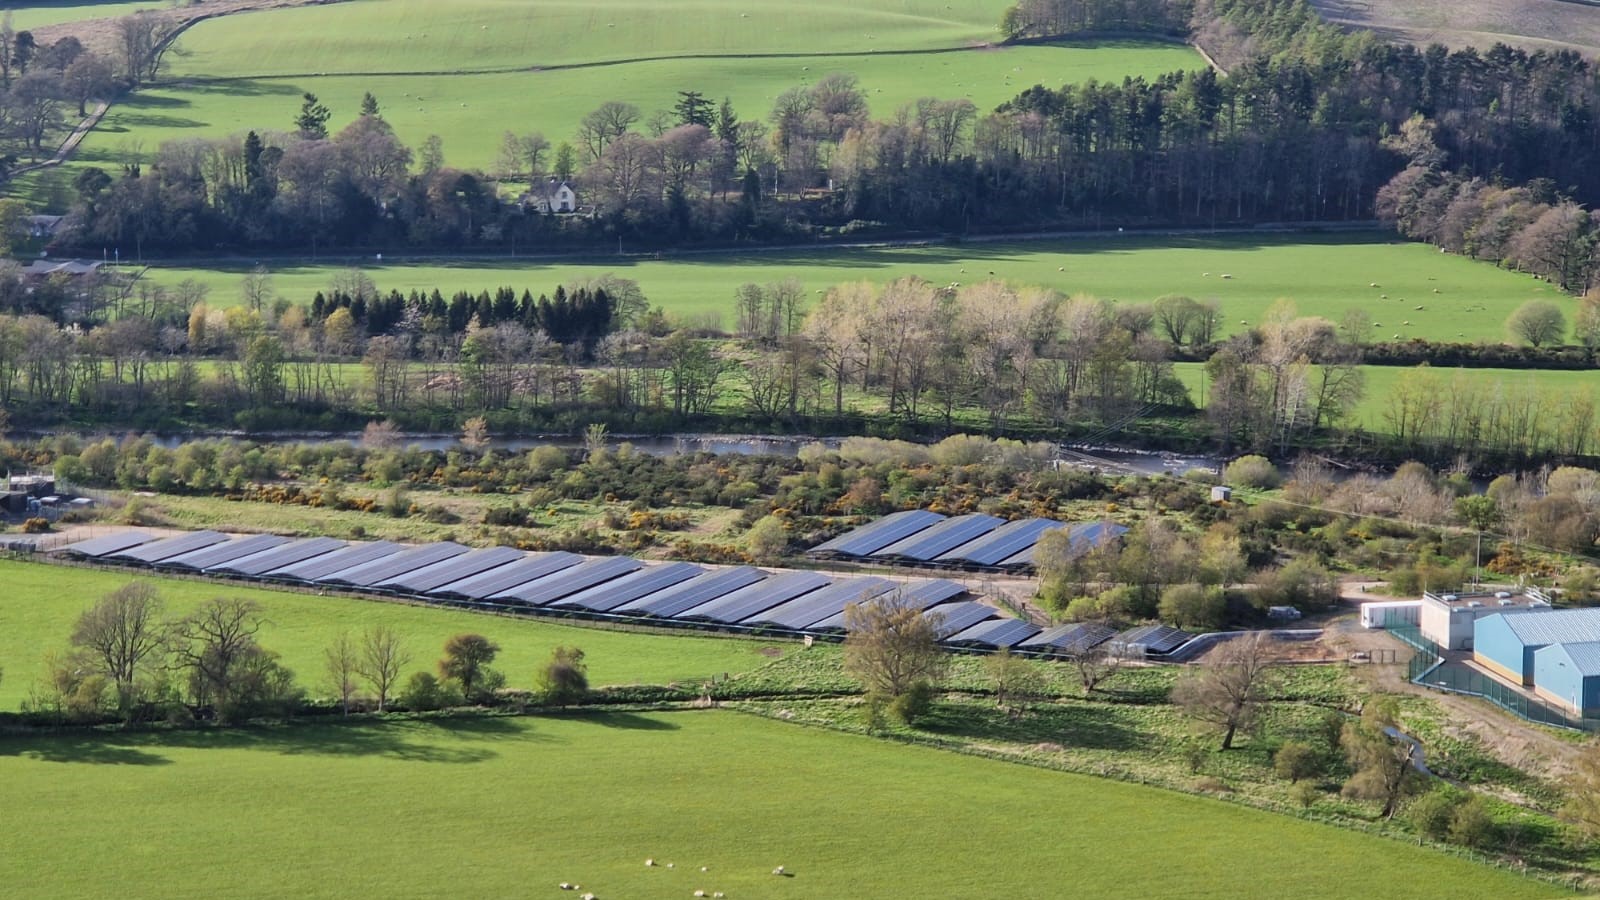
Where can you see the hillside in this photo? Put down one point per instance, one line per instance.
(1529, 24)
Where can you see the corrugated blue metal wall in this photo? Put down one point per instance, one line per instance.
(1559, 678)
(1498, 647)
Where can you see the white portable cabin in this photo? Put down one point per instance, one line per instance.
(1378, 613)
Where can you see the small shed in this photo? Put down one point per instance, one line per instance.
(1221, 494)
(1283, 613)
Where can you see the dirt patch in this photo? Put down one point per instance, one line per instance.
(771, 652)
(1528, 24)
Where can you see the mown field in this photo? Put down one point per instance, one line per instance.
(512, 807)
(468, 71)
(1324, 275)
(42, 602)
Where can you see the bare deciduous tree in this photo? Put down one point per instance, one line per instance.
(217, 645)
(383, 655)
(1228, 689)
(1384, 771)
(343, 665)
(120, 635)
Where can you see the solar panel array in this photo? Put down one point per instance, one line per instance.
(740, 597)
(1158, 640)
(973, 542)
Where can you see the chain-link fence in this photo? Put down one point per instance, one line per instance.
(1430, 668)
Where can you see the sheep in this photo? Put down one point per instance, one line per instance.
(699, 893)
(1226, 276)
(1243, 322)
(718, 895)
(1395, 338)
(1406, 322)
(565, 885)
(1374, 284)
(1061, 269)
(587, 897)
(778, 871)
(1419, 309)
(1205, 274)
(1436, 290)
(669, 865)
(649, 863)
(1377, 324)
(705, 868)
(1383, 296)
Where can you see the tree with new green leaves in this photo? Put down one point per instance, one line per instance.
(312, 122)
(1382, 764)
(121, 637)
(466, 662)
(890, 645)
(767, 538)
(565, 678)
(1193, 606)
(1538, 323)
(1230, 687)
(1017, 682)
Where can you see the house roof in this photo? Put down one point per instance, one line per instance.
(1585, 656)
(1554, 626)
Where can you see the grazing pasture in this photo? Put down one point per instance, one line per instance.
(1322, 275)
(517, 806)
(43, 601)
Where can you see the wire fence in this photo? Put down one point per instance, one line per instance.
(1430, 668)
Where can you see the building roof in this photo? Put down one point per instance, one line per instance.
(1585, 656)
(1554, 626)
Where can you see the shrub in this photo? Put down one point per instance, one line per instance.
(1305, 793)
(914, 705)
(35, 525)
(1431, 813)
(1252, 472)
(767, 539)
(1295, 760)
(1193, 606)
(423, 692)
(565, 678)
(1470, 824)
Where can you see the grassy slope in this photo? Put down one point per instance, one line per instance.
(36, 15)
(42, 602)
(1323, 276)
(588, 799)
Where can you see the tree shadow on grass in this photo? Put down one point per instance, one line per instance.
(83, 748)
(624, 720)
(1074, 725)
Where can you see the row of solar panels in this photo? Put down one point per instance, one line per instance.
(743, 596)
(974, 541)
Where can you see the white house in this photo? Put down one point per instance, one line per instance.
(555, 197)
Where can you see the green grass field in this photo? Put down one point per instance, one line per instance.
(470, 70)
(511, 807)
(43, 601)
(1552, 387)
(1323, 275)
(26, 16)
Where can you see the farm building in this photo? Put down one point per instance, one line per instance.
(1505, 642)
(1447, 619)
(1569, 676)
(553, 198)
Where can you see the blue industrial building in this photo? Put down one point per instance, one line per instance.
(1505, 643)
(1569, 676)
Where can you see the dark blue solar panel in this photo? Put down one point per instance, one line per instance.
(1002, 543)
(692, 593)
(570, 581)
(955, 617)
(371, 573)
(1082, 538)
(156, 551)
(109, 544)
(808, 609)
(748, 601)
(486, 585)
(643, 583)
(874, 536)
(1073, 638)
(1153, 638)
(995, 633)
(453, 569)
(925, 546)
(278, 557)
(319, 567)
(227, 551)
(918, 594)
